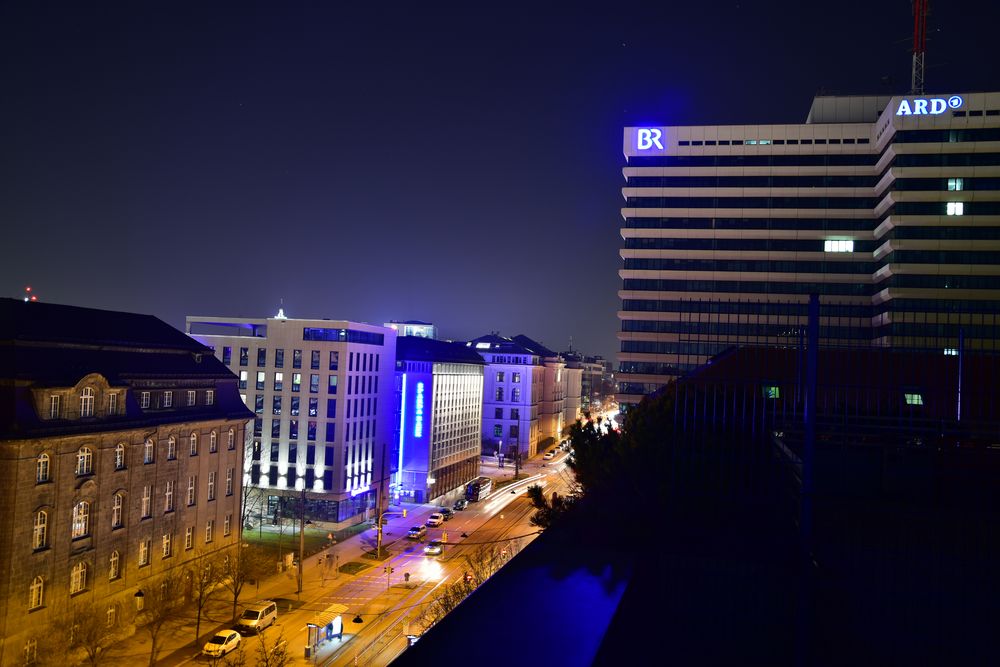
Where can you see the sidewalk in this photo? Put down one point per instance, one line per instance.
(176, 640)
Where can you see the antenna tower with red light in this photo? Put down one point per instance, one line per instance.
(920, 10)
(28, 296)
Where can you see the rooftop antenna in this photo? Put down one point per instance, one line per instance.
(281, 310)
(920, 10)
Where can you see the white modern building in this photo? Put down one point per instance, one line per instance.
(440, 386)
(886, 207)
(322, 393)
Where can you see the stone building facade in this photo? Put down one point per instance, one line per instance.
(121, 458)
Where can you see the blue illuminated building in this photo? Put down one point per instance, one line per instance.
(439, 388)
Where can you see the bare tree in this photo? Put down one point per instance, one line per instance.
(273, 653)
(245, 564)
(159, 606)
(92, 631)
(481, 564)
(206, 574)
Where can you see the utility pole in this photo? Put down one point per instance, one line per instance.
(379, 491)
(302, 537)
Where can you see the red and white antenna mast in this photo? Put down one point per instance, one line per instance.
(920, 10)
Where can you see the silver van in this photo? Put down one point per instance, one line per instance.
(257, 616)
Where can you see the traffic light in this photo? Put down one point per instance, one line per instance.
(388, 570)
(404, 512)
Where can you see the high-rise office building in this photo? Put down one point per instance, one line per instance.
(886, 207)
(322, 394)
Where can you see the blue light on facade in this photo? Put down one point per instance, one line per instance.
(402, 426)
(418, 412)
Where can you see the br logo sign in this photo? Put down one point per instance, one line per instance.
(646, 139)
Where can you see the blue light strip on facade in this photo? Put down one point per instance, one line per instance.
(418, 412)
(402, 430)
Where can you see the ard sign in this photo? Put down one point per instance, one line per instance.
(928, 106)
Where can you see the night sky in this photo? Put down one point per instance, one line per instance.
(454, 163)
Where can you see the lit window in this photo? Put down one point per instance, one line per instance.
(168, 496)
(260, 380)
(87, 402)
(81, 519)
(194, 444)
(168, 399)
(53, 407)
(213, 442)
(114, 566)
(42, 468)
(279, 381)
(914, 399)
(243, 379)
(167, 545)
(78, 578)
(143, 552)
(171, 448)
(36, 597)
(950, 352)
(147, 451)
(956, 208)
(117, 507)
(772, 391)
(955, 184)
(120, 456)
(838, 245)
(189, 538)
(84, 461)
(40, 532)
(147, 492)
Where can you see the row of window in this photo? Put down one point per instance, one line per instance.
(746, 287)
(80, 572)
(513, 431)
(80, 524)
(356, 384)
(825, 224)
(753, 202)
(87, 404)
(85, 455)
(515, 413)
(515, 394)
(775, 309)
(751, 265)
(768, 142)
(165, 399)
(768, 181)
(514, 376)
(840, 159)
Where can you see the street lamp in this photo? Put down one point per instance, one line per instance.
(139, 600)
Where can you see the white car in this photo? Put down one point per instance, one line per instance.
(549, 456)
(224, 641)
(434, 548)
(435, 519)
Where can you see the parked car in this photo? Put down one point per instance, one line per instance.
(224, 641)
(433, 548)
(257, 616)
(435, 519)
(417, 532)
(460, 504)
(447, 513)
(548, 456)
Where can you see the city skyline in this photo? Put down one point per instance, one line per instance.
(412, 164)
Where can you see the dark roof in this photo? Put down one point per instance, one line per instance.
(499, 344)
(417, 348)
(426, 324)
(534, 346)
(48, 322)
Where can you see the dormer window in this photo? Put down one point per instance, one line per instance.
(168, 399)
(87, 402)
(144, 399)
(54, 402)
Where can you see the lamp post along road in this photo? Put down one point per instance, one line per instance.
(302, 538)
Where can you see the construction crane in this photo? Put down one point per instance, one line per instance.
(920, 10)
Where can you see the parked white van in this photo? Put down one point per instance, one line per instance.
(257, 616)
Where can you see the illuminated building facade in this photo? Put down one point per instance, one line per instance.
(887, 207)
(440, 388)
(122, 448)
(514, 380)
(322, 394)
